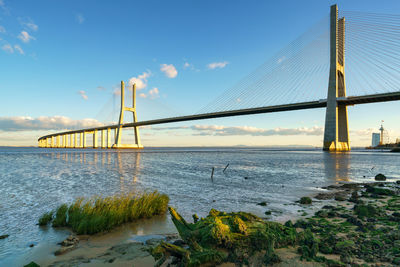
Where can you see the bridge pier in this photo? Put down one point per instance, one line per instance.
(108, 138)
(83, 139)
(95, 139)
(336, 134)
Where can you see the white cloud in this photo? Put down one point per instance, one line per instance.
(140, 81)
(8, 48)
(2, 29)
(169, 70)
(186, 65)
(153, 93)
(101, 88)
(32, 26)
(19, 49)
(28, 24)
(23, 123)
(83, 94)
(217, 65)
(79, 18)
(25, 37)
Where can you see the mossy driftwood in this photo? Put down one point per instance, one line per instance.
(97, 214)
(234, 237)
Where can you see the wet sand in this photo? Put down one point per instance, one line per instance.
(123, 246)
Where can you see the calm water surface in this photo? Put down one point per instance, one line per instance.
(34, 181)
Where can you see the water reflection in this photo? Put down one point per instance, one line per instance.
(337, 166)
(135, 171)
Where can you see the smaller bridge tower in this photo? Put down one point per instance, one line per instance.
(336, 135)
(132, 109)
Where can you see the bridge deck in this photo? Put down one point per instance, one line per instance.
(353, 100)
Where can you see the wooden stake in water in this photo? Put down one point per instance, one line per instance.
(212, 174)
(225, 167)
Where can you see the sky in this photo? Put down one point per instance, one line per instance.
(61, 63)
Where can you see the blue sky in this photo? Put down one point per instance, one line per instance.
(66, 58)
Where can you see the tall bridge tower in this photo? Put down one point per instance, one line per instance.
(132, 109)
(336, 135)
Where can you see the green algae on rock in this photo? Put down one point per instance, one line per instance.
(305, 200)
(222, 237)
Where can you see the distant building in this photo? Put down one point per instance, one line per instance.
(376, 138)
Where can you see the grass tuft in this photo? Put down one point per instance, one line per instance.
(46, 218)
(97, 214)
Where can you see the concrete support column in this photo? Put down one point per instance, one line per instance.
(75, 140)
(70, 141)
(58, 141)
(109, 138)
(52, 141)
(81, 139)
(64, 140)
(84, 140)
(95, 139)
(103, 138)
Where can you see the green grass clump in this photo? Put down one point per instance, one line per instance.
(46, 218)
(97, 214)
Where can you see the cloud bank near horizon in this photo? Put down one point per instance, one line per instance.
(23, 123)
(219, 130)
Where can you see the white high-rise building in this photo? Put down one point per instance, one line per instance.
(376, 137)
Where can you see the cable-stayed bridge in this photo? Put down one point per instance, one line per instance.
(364, 46)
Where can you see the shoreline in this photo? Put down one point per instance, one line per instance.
(128, 244)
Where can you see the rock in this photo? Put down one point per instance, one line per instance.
(31, 245)
(305, 200)
(351, 186)
(379, 191)
(322, 213)
(398, 182)
(324, 196)
(32, 264)
(70, 241)
(268, 212)
(340, 197)
(396, 261)
(262, 203)
(354, 197)
(380, 177)
(4, 236)
(333, 186)
(365, 211)
(64, 250)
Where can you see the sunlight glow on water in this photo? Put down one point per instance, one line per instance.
(33, 181)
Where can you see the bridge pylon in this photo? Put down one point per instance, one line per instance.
(336, 134)
(117, 143)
